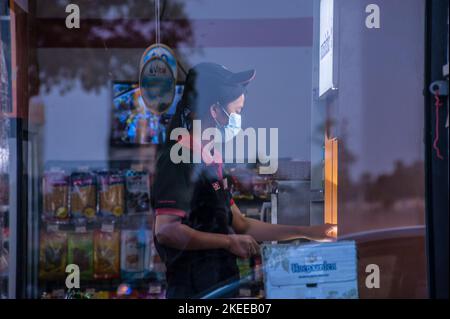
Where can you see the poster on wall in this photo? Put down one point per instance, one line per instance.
(326, 47)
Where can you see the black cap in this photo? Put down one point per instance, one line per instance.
(222, 75)
(213, 82)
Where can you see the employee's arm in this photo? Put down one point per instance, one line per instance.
(171, 232)
(261, 231)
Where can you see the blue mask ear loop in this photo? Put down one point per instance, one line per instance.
(226, 113)
(223, 109)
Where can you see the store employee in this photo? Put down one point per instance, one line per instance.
(199, 230)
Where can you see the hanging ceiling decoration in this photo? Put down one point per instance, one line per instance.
(158, 72)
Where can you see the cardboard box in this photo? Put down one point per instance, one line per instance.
(310, 271)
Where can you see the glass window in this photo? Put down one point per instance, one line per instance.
(335, 106)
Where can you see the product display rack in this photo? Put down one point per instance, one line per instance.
(147, 282)
(151, 285)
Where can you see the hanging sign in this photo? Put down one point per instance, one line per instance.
(158, 72)
(162, 51)
(326, 46)
(157, 84)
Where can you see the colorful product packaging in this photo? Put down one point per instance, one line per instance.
(106, 254)
(83, 199)
(244, 267)
(80, 252)
(135, 253)
(101, 295)
(138, 192)
(52, 255)
(55, 196)
(257, 269)
(111, 194)
(4, 189)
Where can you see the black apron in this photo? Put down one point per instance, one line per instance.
(192, 274)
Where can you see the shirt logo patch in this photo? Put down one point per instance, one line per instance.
(216, 186)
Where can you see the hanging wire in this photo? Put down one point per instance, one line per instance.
(438, 105)
(157, 22)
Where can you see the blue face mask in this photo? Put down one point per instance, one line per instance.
(233, 127)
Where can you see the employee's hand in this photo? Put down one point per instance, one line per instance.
(242, 246)
(321, 233)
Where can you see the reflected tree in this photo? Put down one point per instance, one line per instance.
(405, 182)
(109, 24)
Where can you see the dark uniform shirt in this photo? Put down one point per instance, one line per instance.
(200, 196)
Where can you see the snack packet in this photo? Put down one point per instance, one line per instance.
(80, 252)
(83, 196)
(135, 245)
(55, 196)
(138, 192)
(106, 254)
(244, 267)
(52, 256)
(4, 189)
(111, 194)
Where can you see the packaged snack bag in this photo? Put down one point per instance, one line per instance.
(258, 272)
(55, 196)
(80, 252)
(4, 189)
(244, 267)
(106, 254)
(83, 196)
(111, 193)
(138, 192)
(151, 256)
(52, 256)
(58, 294)
(135, 255)
(101, 295)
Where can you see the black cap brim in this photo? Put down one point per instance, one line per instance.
(242, 78)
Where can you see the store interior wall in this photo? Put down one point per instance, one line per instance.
(77, 121)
